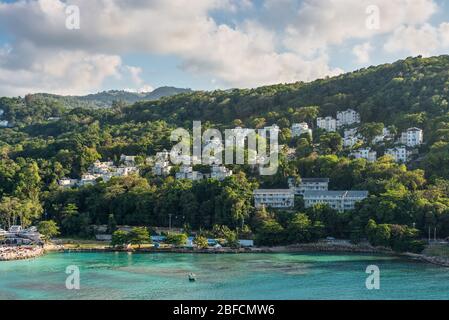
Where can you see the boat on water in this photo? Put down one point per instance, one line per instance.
(192, 277)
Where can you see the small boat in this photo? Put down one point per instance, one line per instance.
(192, 277)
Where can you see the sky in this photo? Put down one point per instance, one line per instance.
(76, 47)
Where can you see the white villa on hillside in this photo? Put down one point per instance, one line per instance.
(220, 172)
(67, 182)
(274, 198)
(309, 184)
(413, 137)
(347, 118)
(399, 154)
(162, 168)
(365, 153)
(386, 135)
(338, 200)
(329, 124)
(298, 129)
(128, 160)
(101, 167)
(186, 172)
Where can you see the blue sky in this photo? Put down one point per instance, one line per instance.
(206, 44)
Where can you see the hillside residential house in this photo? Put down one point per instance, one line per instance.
(365, 153)
(186, 172)
(309, 184)
(399, 154)
(338, 200)
(298, 129)
(128, 160)
(329, 124)
(101, 167)
(68, 183)
(347, 118)
(162, 168)
(413, 137)
(220, 172)
(386, 135)
(274, 198)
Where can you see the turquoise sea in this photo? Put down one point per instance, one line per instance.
(221, 277)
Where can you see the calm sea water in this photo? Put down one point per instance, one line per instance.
(245, 276)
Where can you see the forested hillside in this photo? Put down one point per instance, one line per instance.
(106, 99)
(39, 149)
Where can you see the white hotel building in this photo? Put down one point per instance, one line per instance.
(220, 173)
(413, 137)
(365, 153)
(298, 129)
(186, 172)
(309, 184)
(399, 154)
(274, 198)
(347, 118)
(329, 124)
(338, 200)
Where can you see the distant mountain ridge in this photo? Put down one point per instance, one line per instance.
(106, 98)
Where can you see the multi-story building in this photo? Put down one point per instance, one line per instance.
(128, 160)
(365, 153)
(124, 171)
(329, 124)
(274, 198)
(399, 154)
(186, 172)
(101, 167)
(347, 118)
(220, 172)
(162, 168)
(309, 184)
(298, 129)
(163, 156)
(67, 183)
(386, 135)
(338, 200)
(88, 179)
(413, 137)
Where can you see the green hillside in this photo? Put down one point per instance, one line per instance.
(38, 150)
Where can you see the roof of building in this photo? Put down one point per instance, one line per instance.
(312, 180)
(345, 193)
(272, 191)
(414, 129)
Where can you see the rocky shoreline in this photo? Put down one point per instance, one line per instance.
(310, 247)
(20, 253)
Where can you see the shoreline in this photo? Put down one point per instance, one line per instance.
(24, 253)
(20, 253)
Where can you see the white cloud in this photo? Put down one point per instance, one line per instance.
(62, 72)
(320, 23)
(424, 40)
(245, 54)
(362, 52)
